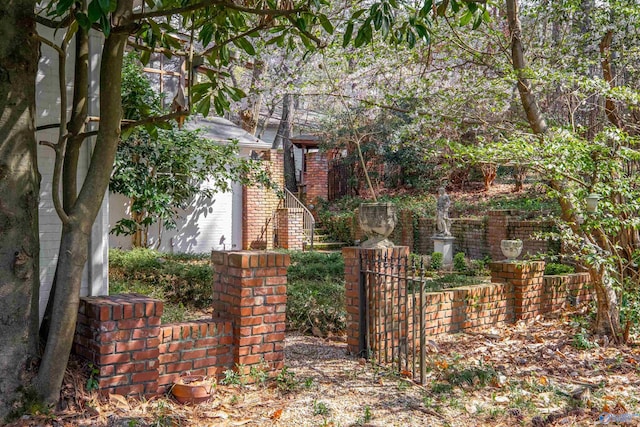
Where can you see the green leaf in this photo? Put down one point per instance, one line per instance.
(347, 34)
(73, 28)
(83, 21)
(94, 11)
(145, 56)
(204, 106)
(113, 5)
(426, 9)
(478, 21)
(245, 45)
(326, 24)
(442, 8)
(63, 6)
(106, 25)
(105, 5)
(466, 18)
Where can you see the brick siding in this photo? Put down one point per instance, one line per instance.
(259, 204)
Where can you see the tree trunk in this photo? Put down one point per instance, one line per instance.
(19, 186)
(79, 112)
(283, 140)
(250, 114)
(77, 225)
(527, 97)
(608, 319)
(608, 312)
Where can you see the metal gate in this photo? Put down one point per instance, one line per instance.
(392, 313)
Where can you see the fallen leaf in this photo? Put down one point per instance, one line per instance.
(543, 380)
(276, 415)
(406, 374)
(501, 399)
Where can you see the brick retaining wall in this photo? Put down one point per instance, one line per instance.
(518, 291)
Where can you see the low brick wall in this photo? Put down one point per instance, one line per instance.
(134, 354)
(519, 291)
(203, 347)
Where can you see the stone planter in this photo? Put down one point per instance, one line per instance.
(377, 221)
(511, 248)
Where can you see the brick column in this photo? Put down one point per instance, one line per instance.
(354, 294)
(406, 222)
(290, 228)
(528, 286)
(250, 288)
(316, 177)
(497, 230)
(120, 335)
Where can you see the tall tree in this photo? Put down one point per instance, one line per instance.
(19, 190)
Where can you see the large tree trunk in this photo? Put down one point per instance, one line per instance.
(19, 186)
(77, 225)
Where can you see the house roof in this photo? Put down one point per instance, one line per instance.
(221, 131)
(306, 141)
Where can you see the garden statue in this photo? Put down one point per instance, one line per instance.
(443, 223)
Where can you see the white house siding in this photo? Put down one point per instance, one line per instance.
(95, 281)
(200, 227)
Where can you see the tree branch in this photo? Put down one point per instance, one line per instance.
(230, 40)
(206, 3)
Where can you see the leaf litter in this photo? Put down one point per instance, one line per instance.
(528, 373)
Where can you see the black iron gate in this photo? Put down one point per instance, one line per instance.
(392, 312)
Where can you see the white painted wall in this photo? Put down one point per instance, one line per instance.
(95, 281)
(200, 227)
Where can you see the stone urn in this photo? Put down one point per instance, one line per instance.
(511, 248)
(377, 220)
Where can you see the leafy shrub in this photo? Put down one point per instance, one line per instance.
(315, 292)
(339, 226)
(315, 266)
(182, 280)
(436, 260)
(459, 262)
(552, 269)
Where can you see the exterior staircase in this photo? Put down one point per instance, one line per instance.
(322, 242)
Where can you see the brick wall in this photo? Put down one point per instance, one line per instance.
(518, 291)
(290, 226)
(204, 347)
(528, 287)
(251, 289)
(561, 292)
(122, 337)
(479, 237)
(260, 203)
(316, 177)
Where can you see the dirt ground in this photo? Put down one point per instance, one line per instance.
(544, 373)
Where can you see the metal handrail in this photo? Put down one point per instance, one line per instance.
(290, 201)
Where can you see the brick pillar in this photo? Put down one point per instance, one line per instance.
(120, 335)
(290, 226)
(250, 288)
(528, 285)
(497, 230)
(316, 177)
(354, 293)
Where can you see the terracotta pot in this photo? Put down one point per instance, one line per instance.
(192, 389)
